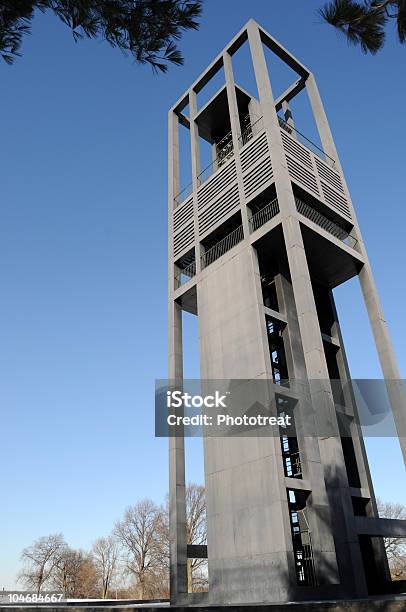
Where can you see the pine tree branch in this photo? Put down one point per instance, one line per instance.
(147, 30)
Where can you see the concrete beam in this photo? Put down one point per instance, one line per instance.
(290, 93)
(380, 527)
(196, 551)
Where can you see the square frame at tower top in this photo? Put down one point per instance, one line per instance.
(233, 46)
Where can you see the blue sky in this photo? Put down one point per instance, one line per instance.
(83, 290)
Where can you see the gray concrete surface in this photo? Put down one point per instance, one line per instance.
(251, 555)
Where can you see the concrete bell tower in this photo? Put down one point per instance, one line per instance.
(257, 243)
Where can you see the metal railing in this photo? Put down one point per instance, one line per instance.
(304, 558)
(223, 155)
(224, 148)
(306, 142)
(184, 194)
(225, 151)
(302, 548)
(207, 172)
(251, 130)
(185, 274)
(224, 245)
(322, 221)
(265, 214)
(285, 125)
(293, 466)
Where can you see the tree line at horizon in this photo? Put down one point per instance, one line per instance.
(131, 562)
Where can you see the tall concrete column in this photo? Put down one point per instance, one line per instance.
(331, 452)
(177, 502)
(326, 138)
(387, 357)
(236, 132)
(195, 157)
(177, 488)
(366, 484)
(287, 112)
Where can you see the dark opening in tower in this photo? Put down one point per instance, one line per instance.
(277, 353)
(301, 539)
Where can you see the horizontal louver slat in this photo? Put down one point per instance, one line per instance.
(218, 210)
(253, 152)
(183, 239)
(257, 178)
(216, 184)
(295, 149)
(302, 175)
(329, 176)
(183, 214)
(336, 200)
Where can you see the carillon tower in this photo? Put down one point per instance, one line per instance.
(257, 243)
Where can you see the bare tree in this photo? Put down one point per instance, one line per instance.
(162, 553)
(87, 582)
(138, 534)
(105, 559)
(395, 547)
(75, 574)
(142, 536)
(196, 534)
(40, 559)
